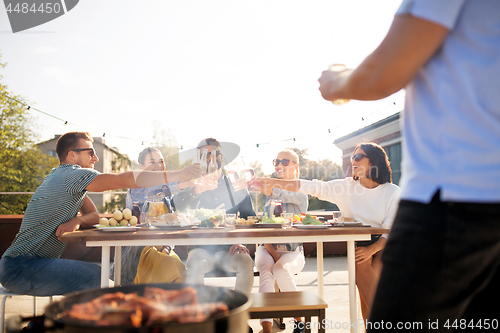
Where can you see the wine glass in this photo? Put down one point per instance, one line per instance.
(288, 220)
(338, 218)
(217, 217)
(230, 221)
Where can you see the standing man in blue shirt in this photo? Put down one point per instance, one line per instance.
(441, 263)
(31, 265)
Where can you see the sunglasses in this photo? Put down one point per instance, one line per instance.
(91, 151)
(358, 157)
(283, 162)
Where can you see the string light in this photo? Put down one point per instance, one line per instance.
(181, 147)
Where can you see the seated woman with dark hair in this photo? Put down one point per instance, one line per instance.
(368, 197)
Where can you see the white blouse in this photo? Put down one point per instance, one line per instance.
(376, 207)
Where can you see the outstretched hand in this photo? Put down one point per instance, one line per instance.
(240, 184)
(205, 184)
(192, 171)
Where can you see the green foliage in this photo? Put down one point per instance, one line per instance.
(323, 170)
(117, 201)
(167, 144)
(22, 165)
(119, 163)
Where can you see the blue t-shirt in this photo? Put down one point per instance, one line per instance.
(451, 121)
(55, 202)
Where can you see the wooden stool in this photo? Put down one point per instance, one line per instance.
(289, 304)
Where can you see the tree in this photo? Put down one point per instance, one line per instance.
(167, 144)
(22, 165)
(323, 170)
(119, 163)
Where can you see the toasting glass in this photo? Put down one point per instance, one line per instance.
(338, 68)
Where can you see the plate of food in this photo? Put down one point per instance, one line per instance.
(349, 224)
(311, 226)
(117, 228)
(171, 226)
(267, 225)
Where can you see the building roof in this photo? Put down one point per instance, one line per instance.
(97, 139)
(368, 128)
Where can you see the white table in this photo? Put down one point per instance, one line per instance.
(148, 237)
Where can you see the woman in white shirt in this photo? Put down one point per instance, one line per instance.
(280, 262)
(368, 197)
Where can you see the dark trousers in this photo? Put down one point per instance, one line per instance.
(440, 268)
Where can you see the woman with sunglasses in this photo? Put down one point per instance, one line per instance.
(370, 197)
(280, 262)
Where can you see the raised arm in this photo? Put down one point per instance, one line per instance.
(135, 179)
(409, 44)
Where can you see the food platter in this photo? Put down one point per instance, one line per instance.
(267, 225)
(311, 226)
(244, 225)
(171, 227)
(351, 224)
(118, 229)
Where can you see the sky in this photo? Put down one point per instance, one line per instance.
(239, 71)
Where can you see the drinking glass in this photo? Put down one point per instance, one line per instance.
(218, 217)
(288, 220)
(230, 220)
(338, 218)
(338, 68)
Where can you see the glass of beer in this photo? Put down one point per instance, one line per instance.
(338, 68)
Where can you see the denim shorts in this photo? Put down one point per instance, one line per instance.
(37, 276)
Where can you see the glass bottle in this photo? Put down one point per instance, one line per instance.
(278, 209)
(248, 172)
(212, 166)
(203, 162)
(136, 211)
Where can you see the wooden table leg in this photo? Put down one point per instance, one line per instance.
(319, 260)
(307, 324)
(321, 318)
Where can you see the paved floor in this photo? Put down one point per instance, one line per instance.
(336, 295)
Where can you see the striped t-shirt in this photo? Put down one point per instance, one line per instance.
(55, 202)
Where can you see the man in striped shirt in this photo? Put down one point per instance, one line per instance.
(31, 265)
